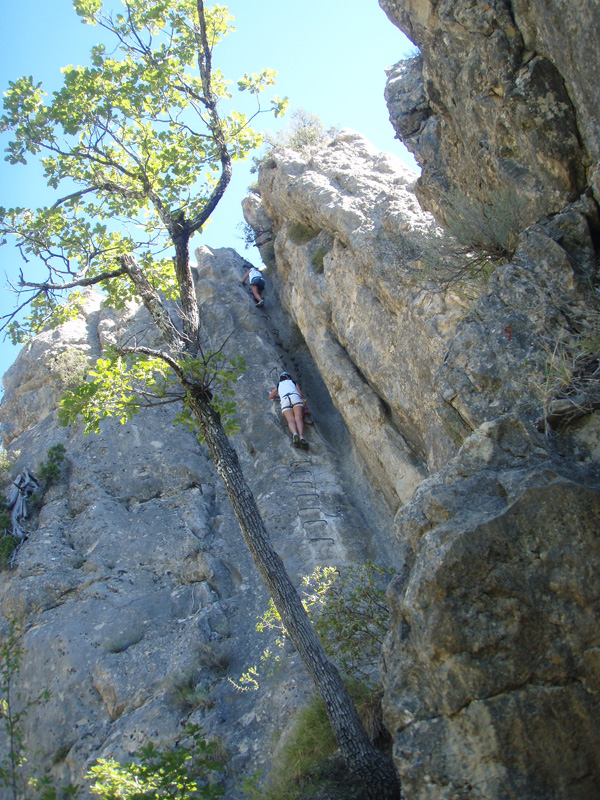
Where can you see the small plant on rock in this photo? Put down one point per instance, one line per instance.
(215, 655)
(301, 234)
(317, 259)
(307, 764)
(49, 470)
(568, 385)
(479, 237)
(187, 771)
(349, 611)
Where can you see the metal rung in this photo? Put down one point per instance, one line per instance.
(312, 521)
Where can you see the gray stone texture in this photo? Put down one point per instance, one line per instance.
(134, 583)
(502, 94)
(489, 667)
(457, 439)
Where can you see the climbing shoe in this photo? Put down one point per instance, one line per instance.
(260, 303)
(303, 443)
(296, 440)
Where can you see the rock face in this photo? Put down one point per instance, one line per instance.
(493, 685)
(457, 439)
(503, 94)
(491, 688)
(134, 587)
(417, 366)
(345, 226)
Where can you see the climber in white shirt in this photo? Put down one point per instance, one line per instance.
(292, 404)
(257, 285)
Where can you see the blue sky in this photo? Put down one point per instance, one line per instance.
(330, 56)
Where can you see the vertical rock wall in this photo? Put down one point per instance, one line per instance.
(501, 102)
(134, 585)
(491, 688)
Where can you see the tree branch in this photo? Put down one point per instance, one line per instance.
(216, 127)
(58, 287)
(152, 353)
(154, 305)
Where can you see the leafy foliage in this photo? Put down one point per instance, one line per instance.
(218, 375)
(49, 470)
(347, 607)
(183, 773)
(122, 385)
(116, 387)
(134, 134)
(45, 311)
(349, 611)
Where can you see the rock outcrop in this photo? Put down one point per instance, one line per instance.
(134, 588)
(491, 668)
(502, 102)
(345, 230)
(491, 688)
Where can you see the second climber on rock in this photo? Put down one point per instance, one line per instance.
(292, 404)
(257, 285)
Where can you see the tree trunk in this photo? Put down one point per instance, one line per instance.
(371, 768)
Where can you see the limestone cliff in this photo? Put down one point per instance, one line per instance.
(489, 457)
(134, 587)
(503, 94)
(457, 439)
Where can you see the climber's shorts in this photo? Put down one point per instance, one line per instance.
(291, 401)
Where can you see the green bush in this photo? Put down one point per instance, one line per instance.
(305, 765)
(215, 655)
(49, 470)
(568, 366)
(8, 542)
(71, 366)
(348, 608)
(304, 131)
(186, 772)
(350, 613)
(8, 545)
(479, 237)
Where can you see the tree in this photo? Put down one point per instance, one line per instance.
(131, 138)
